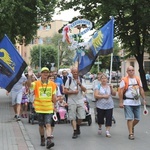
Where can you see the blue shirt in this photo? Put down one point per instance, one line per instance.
(59, 83)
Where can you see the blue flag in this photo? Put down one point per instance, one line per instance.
(100, 44)
(11, 64)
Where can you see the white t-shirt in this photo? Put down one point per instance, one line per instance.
(133, 89)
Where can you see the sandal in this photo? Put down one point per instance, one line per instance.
(131, 137)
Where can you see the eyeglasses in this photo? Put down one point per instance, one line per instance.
(130, 70)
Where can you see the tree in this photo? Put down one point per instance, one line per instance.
(19, 19)
(131, 23)
(48, 54)
(65, 54)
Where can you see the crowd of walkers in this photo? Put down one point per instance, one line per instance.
(51, 93)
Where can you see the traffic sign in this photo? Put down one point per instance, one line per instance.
(96, 63)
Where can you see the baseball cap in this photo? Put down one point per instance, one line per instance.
(44, 69)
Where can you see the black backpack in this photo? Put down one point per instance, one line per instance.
(70, 80)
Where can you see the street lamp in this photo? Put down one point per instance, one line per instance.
(40, 43)
(59, 46)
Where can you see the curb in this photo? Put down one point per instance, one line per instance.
(26, 137)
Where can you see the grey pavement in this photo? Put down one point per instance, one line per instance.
(13, 135)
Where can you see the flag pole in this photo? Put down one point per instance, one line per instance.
(110, 77)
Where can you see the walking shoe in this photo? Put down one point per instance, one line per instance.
(42, 141)
(18, 118)
(15, 117)
(52, 136)
(78, 130)
(108, 134)
(49, 144)
(74, 136)
(131, 137)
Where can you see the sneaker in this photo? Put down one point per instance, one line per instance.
(108, 134)
(99, 131)
(15, 117)
(42, 141)
(52, 136)
(74, 136)
(49, 143)
(18, 118)
(78, 130)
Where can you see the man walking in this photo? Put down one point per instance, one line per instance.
(129, 96)
(16, 95)
(45, 99)
(76, 109)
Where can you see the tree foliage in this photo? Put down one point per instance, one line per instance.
(19, 19)
(48, 55)
(65, 54)
(132, 23)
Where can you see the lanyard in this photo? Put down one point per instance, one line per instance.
(44, 89)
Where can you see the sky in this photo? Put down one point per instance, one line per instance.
(66, 15)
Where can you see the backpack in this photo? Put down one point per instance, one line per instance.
(126, 80)
(70, 80)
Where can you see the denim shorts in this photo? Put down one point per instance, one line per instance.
(132, 112)
(44, 119)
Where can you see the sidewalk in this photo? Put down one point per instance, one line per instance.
(13, 135)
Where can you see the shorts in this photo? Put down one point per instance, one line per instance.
(16, 97)
(132, 112)
(76, 111)
(104, 113)
(44, 119)
(25, 100)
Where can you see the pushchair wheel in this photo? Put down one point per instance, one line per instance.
(113, 119)
(89, 121)
(95, 119)
(32, 119)
(29, 118)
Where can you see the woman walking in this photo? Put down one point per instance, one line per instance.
(104, 104)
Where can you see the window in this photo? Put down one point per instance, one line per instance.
(40, 27)
(132, 63)
(48, 27)
(40, 41)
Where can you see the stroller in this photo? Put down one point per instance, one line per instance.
(62, 114)
(95, 113)
(32, 116)
(88, 117)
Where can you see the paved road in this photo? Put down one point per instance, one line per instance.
(90, 140)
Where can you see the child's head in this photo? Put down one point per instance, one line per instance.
(51, 77)
(61, 98)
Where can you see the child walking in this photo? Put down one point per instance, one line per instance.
(25, 100)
